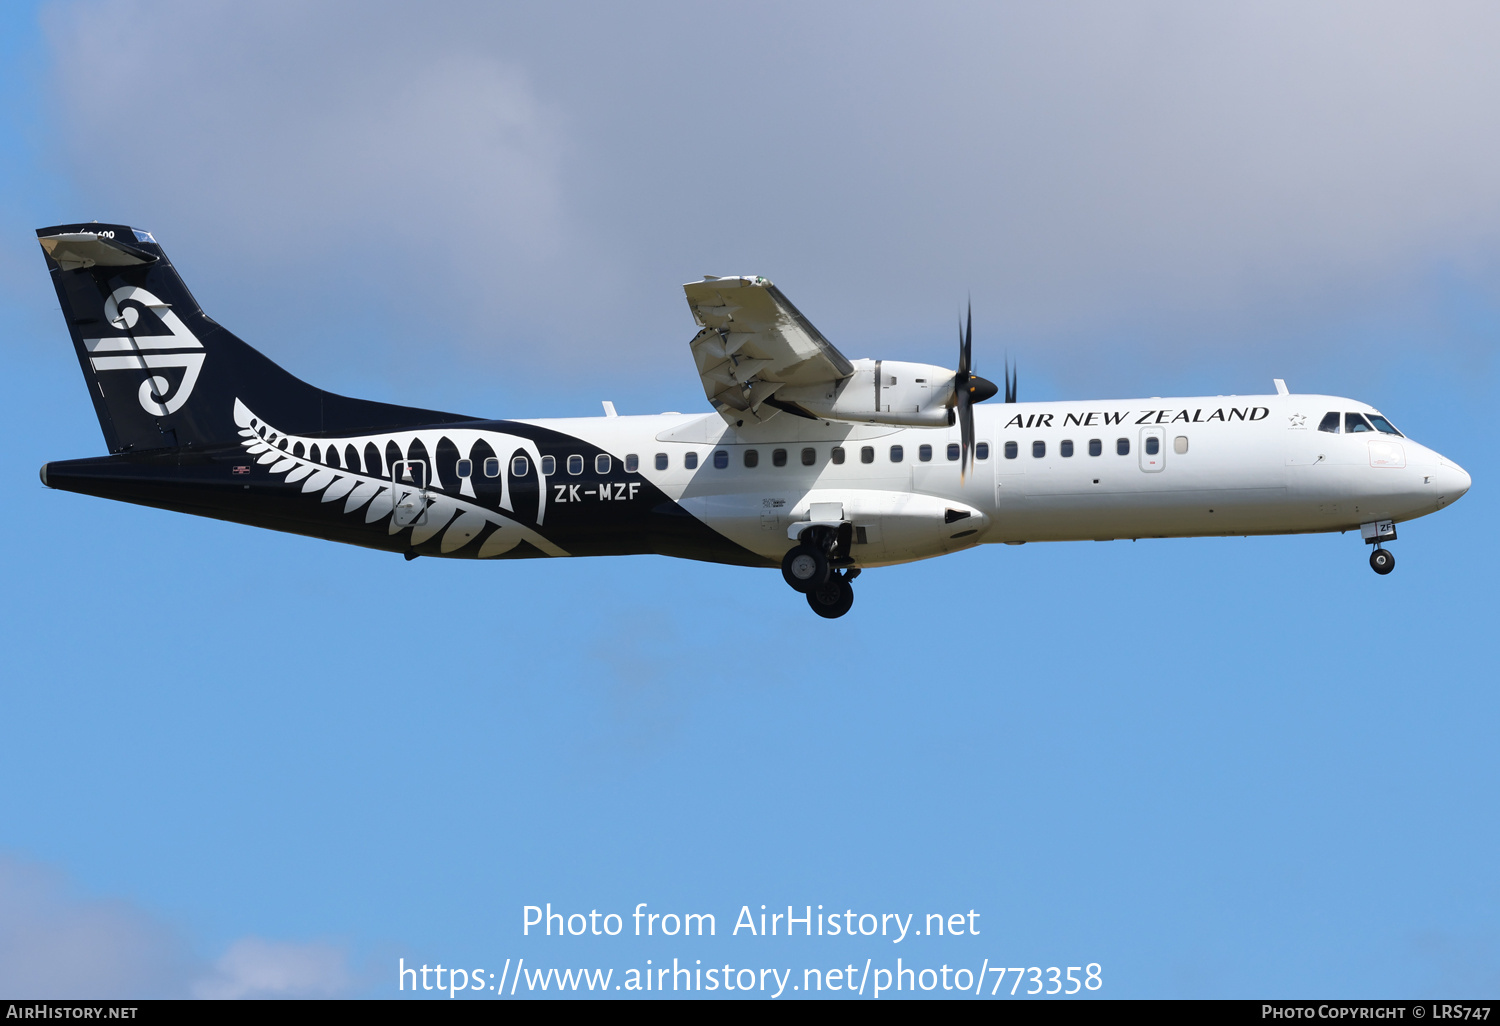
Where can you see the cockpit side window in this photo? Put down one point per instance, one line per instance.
(1353, 422)
(1330, 423)
(1384, 426)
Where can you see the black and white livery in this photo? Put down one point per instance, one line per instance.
(821, 465)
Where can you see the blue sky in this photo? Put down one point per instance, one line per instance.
(239, 762)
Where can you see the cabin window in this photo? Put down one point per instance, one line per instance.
(837, 455)
(1153, 445)
(1038, 450)
(549, 466)
(1330, 423)
(632, 463)
(1122, 446)
(1066, 448)
(1096, 447)
(575, 465)
(492, 467)
(924, 453)
(1179, 444)
(1353, 423)
(809, 456)
(952, 452)
(1012, 450)
(602, 463)
(867, 454)
(752, 457)
(721, 459)
(1382, 425)
(520, 466)
(897, 454)
(463, 468)
(778, 457)
(690, 460)
(661, 461)
(982, 451)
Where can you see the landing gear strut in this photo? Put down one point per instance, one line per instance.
(819, 567)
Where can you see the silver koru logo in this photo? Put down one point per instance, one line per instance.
(149, 352)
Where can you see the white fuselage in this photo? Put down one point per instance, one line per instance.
(1221, 465)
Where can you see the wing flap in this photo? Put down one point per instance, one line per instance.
(753, 342)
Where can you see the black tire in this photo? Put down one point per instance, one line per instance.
(833, 599)
(804, 568)
(1382, 561)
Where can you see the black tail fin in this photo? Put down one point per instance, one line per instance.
(160, 372)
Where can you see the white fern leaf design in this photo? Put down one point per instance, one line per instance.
(340, 488)
(363, 492)
(317, 481)
(341, 468)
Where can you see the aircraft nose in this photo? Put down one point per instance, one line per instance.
(1455, 480)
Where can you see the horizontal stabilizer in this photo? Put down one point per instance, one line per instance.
(73, 250)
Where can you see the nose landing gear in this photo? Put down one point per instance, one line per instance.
(819, 567)
(1381, 560)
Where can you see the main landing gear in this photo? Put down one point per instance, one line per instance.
(819, 566)
(1382, 561)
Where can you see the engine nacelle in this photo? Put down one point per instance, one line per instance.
(881, 392)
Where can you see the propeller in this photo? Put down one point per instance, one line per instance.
(969, 388)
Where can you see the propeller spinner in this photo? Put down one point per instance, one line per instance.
(969, 388)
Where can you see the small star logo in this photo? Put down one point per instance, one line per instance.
(1298, 420)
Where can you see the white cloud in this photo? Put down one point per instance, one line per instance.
(58, 943)
(337, 169)
(55, 944)
(1182, 177)
(256, 968)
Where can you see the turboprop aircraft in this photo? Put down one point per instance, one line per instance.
(813, 462)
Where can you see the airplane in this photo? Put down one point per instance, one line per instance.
(821, 465)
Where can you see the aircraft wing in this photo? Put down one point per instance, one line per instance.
(753, 343)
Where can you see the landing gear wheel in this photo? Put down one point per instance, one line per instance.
(1382, 561)
(833, 599)
(805, 568)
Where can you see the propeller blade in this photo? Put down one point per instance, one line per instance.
(966, 433)
(1012, 374)
(968, 389)
(965, 348)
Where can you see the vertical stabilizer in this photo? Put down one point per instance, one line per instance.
(160, 372)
